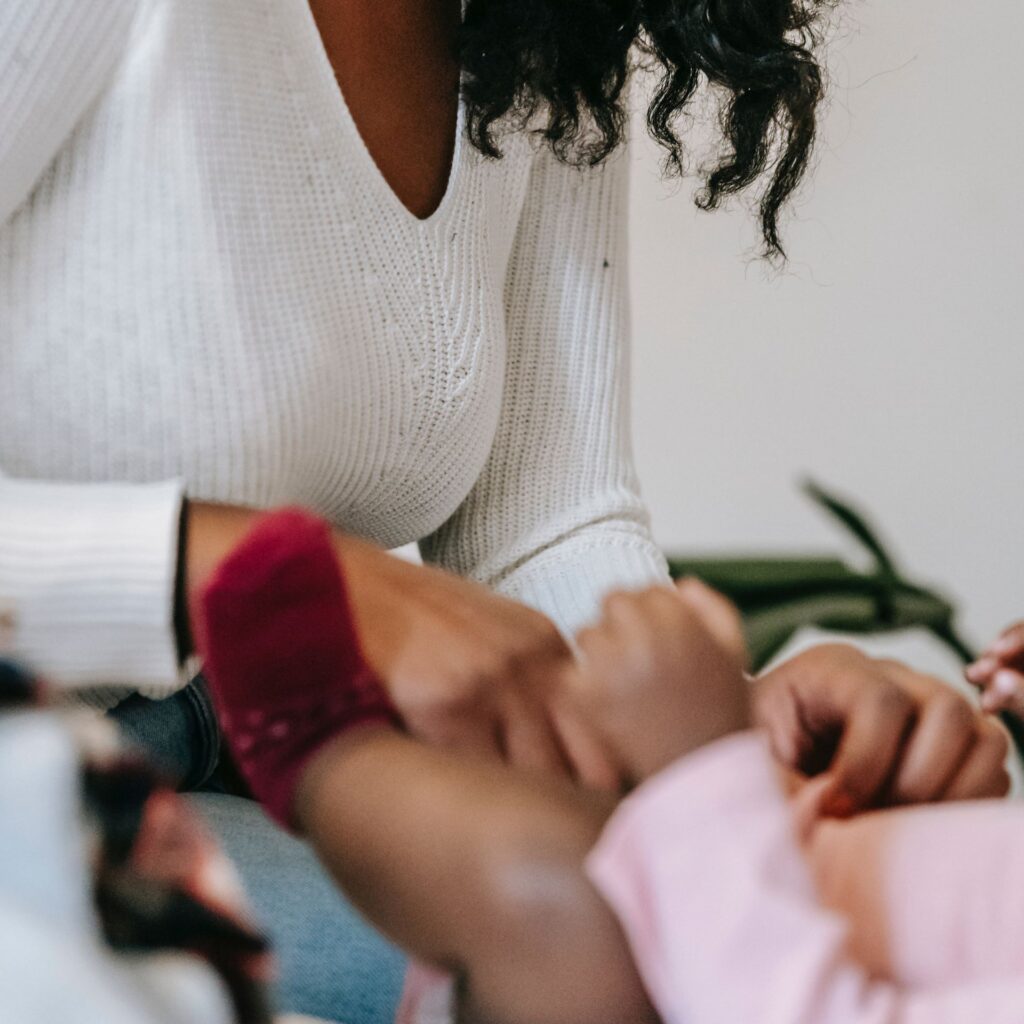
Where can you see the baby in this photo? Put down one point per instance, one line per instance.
(705, 897)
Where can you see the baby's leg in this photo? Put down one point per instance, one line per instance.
(478, 870)
(934, 895)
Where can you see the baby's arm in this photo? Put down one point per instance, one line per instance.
(702, 869)
(478, 870)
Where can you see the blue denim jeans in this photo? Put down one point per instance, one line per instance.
(331, 963)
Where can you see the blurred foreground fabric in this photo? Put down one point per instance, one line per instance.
(115, 904)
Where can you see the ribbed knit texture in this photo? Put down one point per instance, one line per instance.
(205, 279)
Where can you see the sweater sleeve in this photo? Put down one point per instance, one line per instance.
(86, 571)
(55, 56)
(703, 872)
(87, 575)
(556, 518)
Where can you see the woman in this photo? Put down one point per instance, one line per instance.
(260, 251)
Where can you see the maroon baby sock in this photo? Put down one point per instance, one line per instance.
(282, 656)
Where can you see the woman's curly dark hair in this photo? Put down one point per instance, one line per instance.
(568, 62)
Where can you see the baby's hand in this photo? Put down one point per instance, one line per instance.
(662, 674)
(999, 672)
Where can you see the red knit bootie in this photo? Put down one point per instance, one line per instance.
(281, 654)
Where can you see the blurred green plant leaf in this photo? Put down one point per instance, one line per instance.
(780, 595)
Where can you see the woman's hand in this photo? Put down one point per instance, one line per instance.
(999, 672)
(886, 734)
(464, 667)
(469, 669)
(661, 675)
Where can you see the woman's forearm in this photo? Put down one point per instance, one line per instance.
(466, 668)
(476, 869)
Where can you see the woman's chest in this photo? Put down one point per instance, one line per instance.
(243, 300)
(396, 65)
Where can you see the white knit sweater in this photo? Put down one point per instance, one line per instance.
(207, 287)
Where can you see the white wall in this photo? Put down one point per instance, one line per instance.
(887, 360)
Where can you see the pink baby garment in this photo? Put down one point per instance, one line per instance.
(903, 917)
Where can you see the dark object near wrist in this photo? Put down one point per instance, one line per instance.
(180, 621)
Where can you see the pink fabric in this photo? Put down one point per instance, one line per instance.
(933, 895)
(904, 917)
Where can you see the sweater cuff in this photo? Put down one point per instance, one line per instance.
(87, 574)
(569, 581)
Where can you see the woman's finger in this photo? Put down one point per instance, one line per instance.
(941, 740)
(988, 748)
(776, 711)
(877, 724)
(528, 739)
(983, 774)
(591, 762)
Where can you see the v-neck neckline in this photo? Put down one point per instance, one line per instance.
(325, 73)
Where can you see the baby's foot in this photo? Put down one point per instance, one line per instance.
(282, 656)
